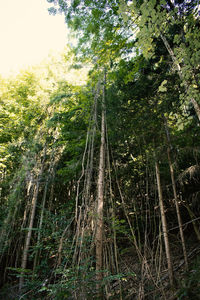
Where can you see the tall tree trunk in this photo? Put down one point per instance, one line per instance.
(164, 225)
(30, 228)
(40, 226)
(100, 196)
(28, 237)
(175, 193)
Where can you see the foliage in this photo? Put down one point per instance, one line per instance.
(190, 287)
(51, 135)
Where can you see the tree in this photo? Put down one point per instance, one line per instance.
(100, 193)
(171, 23)
(85, 204)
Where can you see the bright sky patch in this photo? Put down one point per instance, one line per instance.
(28, 33)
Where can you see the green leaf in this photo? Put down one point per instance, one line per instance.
(162, 88)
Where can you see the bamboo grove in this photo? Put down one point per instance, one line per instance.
(100, 181)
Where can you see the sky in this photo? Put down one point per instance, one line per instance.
(28, 34)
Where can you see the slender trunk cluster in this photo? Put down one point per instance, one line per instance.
(175, 193)
(30, 227)
(28, 237)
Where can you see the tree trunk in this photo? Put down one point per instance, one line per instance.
(175, 194)
(164, 225)
(28, 237)
(100, 197)
(30, 228)
(40, 226)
